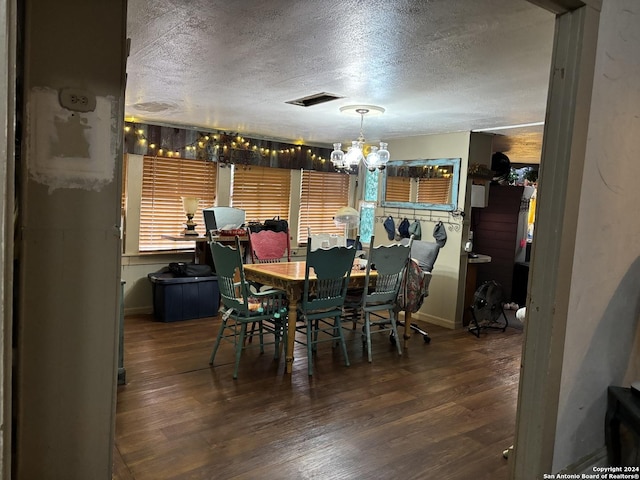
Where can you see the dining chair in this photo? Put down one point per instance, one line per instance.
(267, 246)
(389, 262)
(320, 309)
(240, 306)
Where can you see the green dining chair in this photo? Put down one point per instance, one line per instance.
(379, 299)
(320, 309)
(240, 306)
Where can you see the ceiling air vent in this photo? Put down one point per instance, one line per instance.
(314, 99)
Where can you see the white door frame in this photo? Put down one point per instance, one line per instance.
(563, 152)
(7, 193)
(564, 140)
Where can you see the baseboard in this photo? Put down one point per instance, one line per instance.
(585, 465)
(138, 311)
(441, 322)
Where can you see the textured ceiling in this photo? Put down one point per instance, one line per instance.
(435, 66)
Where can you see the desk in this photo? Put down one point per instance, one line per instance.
(622, 406)
(289, 276)
(201, 253)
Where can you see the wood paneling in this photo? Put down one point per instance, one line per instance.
(442, 410)
(495, 233)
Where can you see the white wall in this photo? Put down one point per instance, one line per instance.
(604, 302)
(69, 242)
(138, 298)
(444, 306)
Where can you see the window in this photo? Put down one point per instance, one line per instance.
(434, 190)
(164, 182)
(262, 192)
(398, 189)
(123, 201)
(322, 194)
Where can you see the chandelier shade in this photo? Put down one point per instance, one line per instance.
(377, 158)
(354, 154)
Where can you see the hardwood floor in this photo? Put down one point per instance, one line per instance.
(443, 410)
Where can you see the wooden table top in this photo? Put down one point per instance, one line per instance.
(291, 271)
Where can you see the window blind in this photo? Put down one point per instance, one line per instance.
(123, 193)
(123, 200)
(398, 189)
(262, 192)
(322, 195)
(434, 190)
(164, 182)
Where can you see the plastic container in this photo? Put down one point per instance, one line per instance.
(184, 298)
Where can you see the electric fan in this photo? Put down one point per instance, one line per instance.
(486, 308)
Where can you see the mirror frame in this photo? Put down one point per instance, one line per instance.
(454, 162)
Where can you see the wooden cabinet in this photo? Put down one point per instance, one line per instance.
(495, 233)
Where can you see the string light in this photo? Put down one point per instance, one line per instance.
(233, 142)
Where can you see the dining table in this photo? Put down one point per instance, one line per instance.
(290, 277)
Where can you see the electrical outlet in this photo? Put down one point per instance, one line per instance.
(77, 100)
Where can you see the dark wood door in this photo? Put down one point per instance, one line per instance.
(495, 234)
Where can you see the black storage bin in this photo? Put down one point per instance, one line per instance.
(184, 298)
(520, 283)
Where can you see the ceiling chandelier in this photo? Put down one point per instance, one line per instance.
(377, 157)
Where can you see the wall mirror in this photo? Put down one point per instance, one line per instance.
(422, 184)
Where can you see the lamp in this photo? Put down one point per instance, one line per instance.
(190, 205)
(377, 157)
(347, 217)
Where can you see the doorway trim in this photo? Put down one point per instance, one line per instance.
(7, 195)
(563, 153)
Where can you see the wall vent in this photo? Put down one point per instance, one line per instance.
(314, 99)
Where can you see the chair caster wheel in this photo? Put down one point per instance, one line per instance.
(426, 338)
(392, 339)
